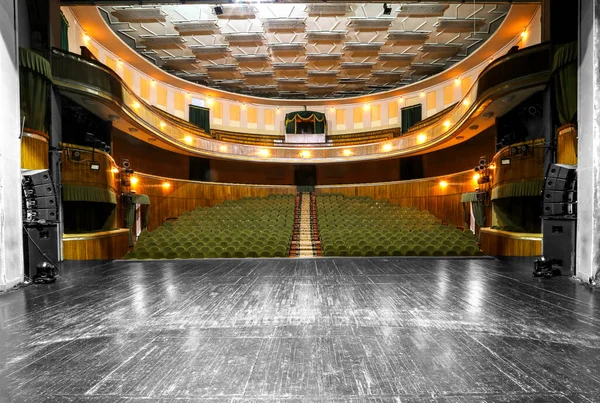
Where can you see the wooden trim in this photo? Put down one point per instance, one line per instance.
(34, 151)
(504, 243)
(105, 245)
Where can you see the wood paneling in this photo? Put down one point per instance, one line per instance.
(567, 145)
(79, 173)
(252, 173)
(187, 195)
(104, 245)
(34, 151)
(461, 157)
(425, 194)
(359, 172)
(523, 167)
(503, 243)
(146, 158)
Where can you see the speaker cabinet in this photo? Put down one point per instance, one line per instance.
(38, 238)
(36, 177)
(559, 237)
(557, 196)
(556, 209)
(562, 171)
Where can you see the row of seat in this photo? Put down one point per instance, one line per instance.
(360, 226)
(250, 227)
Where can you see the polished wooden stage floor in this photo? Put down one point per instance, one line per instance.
(310, 330)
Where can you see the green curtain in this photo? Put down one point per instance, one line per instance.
(479, 214)
(64, 33)
(35, 78)
(518, 189)
(410, 116)
(200, 117)
(318, 120)
(564, 71)
(88, 194)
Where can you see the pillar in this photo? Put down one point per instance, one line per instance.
(11, 242)
(588, 167)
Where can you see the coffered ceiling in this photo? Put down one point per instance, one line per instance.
(313, 50)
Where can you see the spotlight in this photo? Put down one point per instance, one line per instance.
(476, 169)
(218, 10)
(166, 185)
(443, 184)
(386, 9)
(115, 170)
(125, 163)
(482, 161)
(134, 180)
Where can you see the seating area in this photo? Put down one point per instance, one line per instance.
(363, 137)
(361, 226)
(250, 227)
(266, 140)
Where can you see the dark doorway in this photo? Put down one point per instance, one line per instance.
(305, 176)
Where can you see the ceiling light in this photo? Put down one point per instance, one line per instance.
(113, 118)
(132, 130)
(366, 107)
(166, 185)
(474, 127)
(488, 115)
(457, 81)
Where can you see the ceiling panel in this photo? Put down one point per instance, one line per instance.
(295, 50)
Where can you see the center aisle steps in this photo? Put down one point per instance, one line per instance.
(305, 240)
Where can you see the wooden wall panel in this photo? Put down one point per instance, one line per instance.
(146, 158)
(567, 145)
(187, 195)
(79, 172)
(461, 157)
(425, 194)
(358, 172)
(104, 245)
(523, 168)
(34, 152)
(502, 243)
(251, 173)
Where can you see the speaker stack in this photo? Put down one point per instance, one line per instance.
(40, 219)
(560, 215)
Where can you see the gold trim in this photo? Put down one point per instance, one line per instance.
(94, 235)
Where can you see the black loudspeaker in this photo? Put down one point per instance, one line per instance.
(562, 171)
(38, 238)
(36, 177)
(560, 193)
(559, 238)
(558, 196)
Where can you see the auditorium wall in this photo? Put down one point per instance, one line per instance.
(147, 158)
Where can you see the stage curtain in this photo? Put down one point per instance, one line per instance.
(479, 213)
(320, 123)
(410, 116)
(564, 72)
(468, 197)
(200, 117)
(518, 189)
(35, 78)
(64, 33)
(88, 194)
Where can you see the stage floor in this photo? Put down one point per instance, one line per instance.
(301, 330)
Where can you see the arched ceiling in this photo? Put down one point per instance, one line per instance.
(314, 50)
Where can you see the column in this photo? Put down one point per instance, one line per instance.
(11, 242)
(588, 167)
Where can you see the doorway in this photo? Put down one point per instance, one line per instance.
(305, 177)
